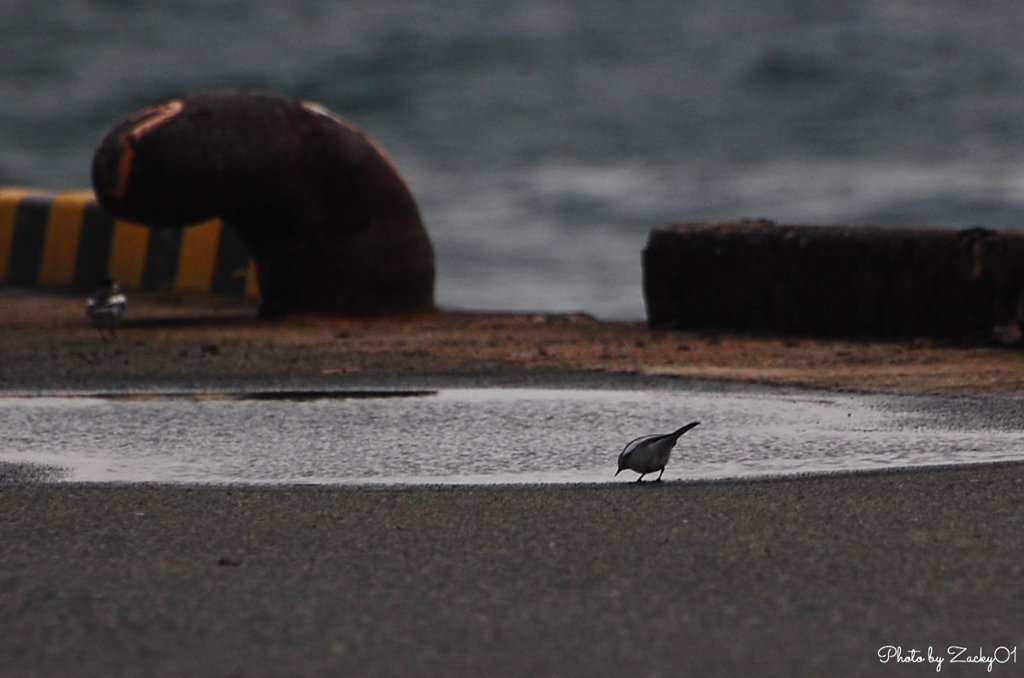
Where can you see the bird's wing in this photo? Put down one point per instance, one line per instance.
(633, 444)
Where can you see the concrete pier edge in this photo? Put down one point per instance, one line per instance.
(851, 282)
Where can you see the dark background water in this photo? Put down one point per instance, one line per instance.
(544, 139)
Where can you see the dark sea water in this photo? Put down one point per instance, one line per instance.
(544, 139)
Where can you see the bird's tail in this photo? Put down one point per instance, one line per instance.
(675, 434)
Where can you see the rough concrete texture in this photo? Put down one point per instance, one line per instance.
(835, 281)
(47, 341)
(797, 577)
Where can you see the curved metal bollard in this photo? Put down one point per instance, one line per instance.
(327, 217)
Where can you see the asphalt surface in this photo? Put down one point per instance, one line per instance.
(807, 576)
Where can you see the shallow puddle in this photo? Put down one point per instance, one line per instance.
(455, 436)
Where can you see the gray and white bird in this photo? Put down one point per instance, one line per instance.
(107, 305)
(650, 453)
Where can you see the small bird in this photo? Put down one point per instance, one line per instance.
(107, 305)
(650, 453)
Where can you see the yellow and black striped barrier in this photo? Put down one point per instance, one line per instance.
(66, 240)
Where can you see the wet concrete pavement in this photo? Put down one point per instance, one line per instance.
(794, 576)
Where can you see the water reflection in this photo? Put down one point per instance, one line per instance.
(478, 435)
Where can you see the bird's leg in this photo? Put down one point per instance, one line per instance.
(641, 477)
(658, 479)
